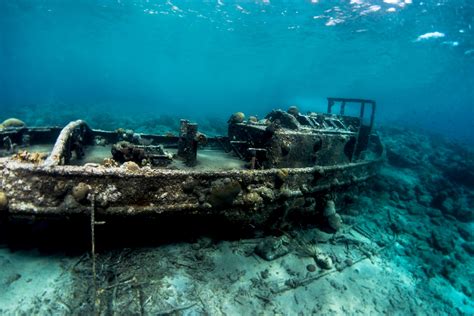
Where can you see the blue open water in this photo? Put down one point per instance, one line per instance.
(212, 58)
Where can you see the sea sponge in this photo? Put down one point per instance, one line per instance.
(3, 201)
(80, 191)
(13, 122)
(223, 192)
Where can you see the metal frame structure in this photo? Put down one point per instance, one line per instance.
(362, 102)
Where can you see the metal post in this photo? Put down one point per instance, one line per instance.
(372, 116)
(330, 104)
(362, 109)
(187, 145)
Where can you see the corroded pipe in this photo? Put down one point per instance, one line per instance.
(60, 149)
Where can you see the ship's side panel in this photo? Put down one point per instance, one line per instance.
(253, 196)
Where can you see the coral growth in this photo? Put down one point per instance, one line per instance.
(34, 157)
(80, 191)
(334, 219)
(130, 166)
(109, 162)
(12, 123)
(237, 117)
(223, 192)
(293, 110)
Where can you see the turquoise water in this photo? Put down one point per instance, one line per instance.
(406, 244)
(212, 58)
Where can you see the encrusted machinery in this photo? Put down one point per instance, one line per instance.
(291, 139)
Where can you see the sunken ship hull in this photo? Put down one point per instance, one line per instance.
(273, 169)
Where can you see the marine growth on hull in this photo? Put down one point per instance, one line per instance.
(264, 171)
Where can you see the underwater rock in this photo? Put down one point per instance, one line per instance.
(400, 159)
(437, 200)
(3, 201)
(349, 262)
(409, 195)
(442, 241)
(223, 192)
(12, 278)
(80, 191)
(450, 205)
(461, 174)
(311, 267)
(447, 205)
(468, 247)
(465, 231)
(12, 122)
(335, 221)
(330, 208)
(394, 196)
(425, 199)
(416, 210)
(433, 212)
(272, 248)
(464, 215)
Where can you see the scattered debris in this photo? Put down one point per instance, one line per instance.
(272, 248)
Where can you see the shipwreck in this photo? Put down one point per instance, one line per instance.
(263, 171)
